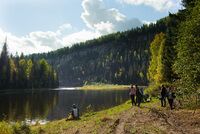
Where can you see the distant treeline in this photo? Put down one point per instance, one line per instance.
(20, 73)
(118, 58)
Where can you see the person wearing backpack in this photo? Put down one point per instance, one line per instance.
(171, 96)
(75, 112)
(163, 95)
(139, 95)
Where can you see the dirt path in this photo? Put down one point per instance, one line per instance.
(151, 121)
(123, 120)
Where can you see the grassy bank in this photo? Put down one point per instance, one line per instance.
(101, 86)
(93, 120)
(150, 118)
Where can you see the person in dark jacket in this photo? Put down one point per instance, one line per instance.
(139, 95)
(163, 96)
(171, 96)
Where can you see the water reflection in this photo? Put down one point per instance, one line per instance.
(54, 104)
(27, 105)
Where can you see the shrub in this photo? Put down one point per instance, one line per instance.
(21, 128)
(5, 128)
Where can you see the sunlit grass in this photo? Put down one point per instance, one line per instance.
(104, 87)
(93, 118)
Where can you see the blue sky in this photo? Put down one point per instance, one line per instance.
(34, 26)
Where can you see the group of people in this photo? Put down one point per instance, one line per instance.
(169, 94)
(136, 95)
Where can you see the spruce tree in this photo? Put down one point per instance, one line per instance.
(187, 65)
(4, 67)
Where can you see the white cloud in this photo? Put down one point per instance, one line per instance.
(29, 44)
(97, 17)
(81, 36)
(104, 27)
(64, 28)
(39, 41)
(159, 5)
(148, 22)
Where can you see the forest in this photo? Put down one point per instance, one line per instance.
(22, 73)
(118, 58)
(175, 54)
(164, 52)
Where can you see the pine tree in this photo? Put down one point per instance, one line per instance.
(4, 67)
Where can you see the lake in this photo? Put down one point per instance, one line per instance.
(48, 105)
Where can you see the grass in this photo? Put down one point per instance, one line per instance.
(90, 121)
(5, 128)
(101, 86)
(17, 128)
(93, 119)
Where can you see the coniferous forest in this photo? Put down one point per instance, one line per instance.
(164, 52)
(118, 58)
(20, 72)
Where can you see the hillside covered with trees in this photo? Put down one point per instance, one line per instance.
(20, 73)
(118, 58)
(164, 52)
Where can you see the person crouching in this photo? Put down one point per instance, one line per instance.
(75, 112)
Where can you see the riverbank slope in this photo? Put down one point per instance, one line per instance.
(150, 118)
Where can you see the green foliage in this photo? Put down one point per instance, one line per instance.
(154, 89)
(169, 52)
(21, 128)
(188, 3)
(5, 128)
(156, 67)
(17, 128)
(187, 65)
(4, 67)
(25, 73)
(177, 59)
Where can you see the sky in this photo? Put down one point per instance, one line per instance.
(35, 26)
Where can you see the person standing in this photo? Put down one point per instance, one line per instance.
(163, 96)
(132, 94)
(171, 96)
(139, 95)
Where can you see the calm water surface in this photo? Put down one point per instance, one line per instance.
(55, 104)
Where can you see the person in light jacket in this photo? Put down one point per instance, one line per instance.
(132, 94)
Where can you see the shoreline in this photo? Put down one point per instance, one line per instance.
(104, 87)
(110, 120)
